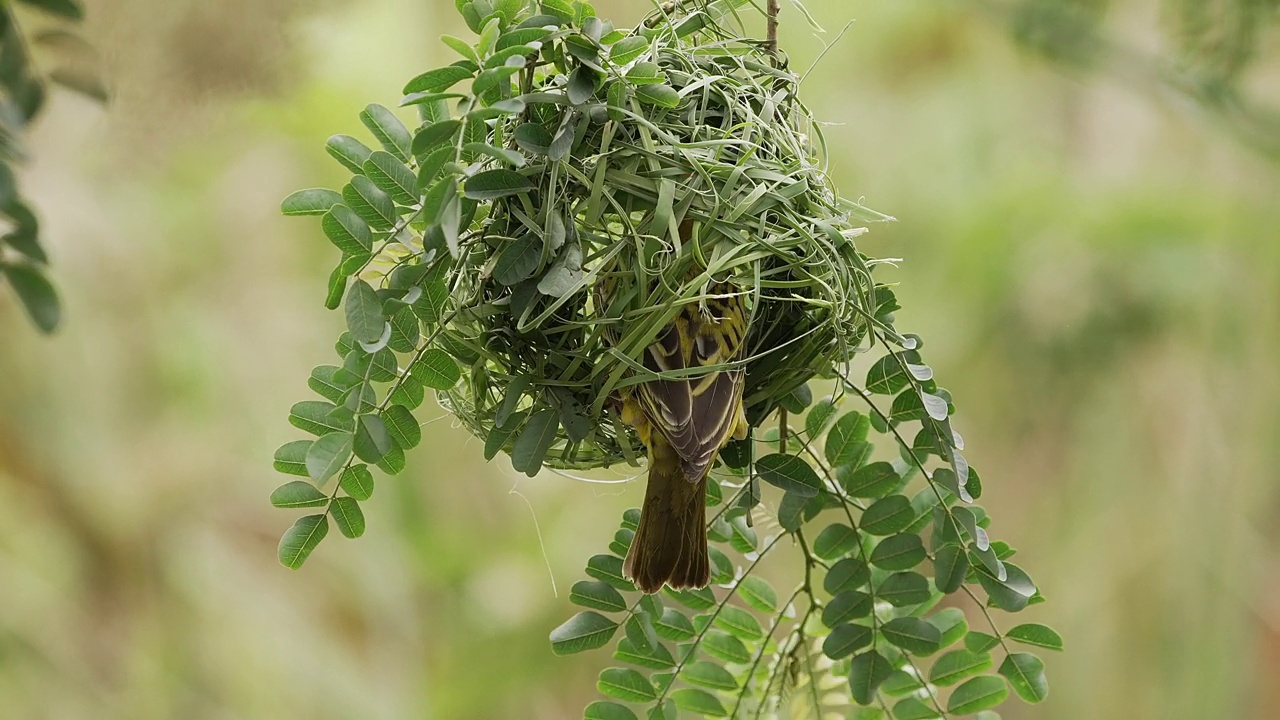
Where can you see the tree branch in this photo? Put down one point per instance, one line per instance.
(771, 28)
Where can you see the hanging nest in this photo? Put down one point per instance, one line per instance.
(589, 163)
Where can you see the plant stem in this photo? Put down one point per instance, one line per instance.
(771, 28)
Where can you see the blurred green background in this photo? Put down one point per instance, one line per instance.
(1091, 252)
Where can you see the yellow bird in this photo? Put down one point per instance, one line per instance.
(684, 424)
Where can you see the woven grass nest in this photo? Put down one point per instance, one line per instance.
(648, 161)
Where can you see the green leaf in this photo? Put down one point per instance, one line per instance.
(299, 540)
(291, 458)
(740, 623)
(843, 438)
(430, 137)
(38, 297)
(868, 481)
(699, 599)
(724, 646)
(372, 440)
(317, 417)
(913, 709)
(377, 367)
(436, 370)
(673, 625)
(758, 593)
(888, 515)
(497, 183)
(818, 417)
(886, 376)
(950, 567)
(347, 230)
(628, 49)
(437, 80)
(498, 437)
(908, 405)
(835, 540)
(979, 642)
(357, 482)
(368, 201)
(789, 473)
(609, 569)
(665, 710)
(312, 201)
(986, 560)
(657, 657)
(951, 623)
(957, 665)
(518, 260)
(617, 100)
(1025, 673)
(847, 574)
(393, 462)
(327, 455)
(721, 566)
(71, 9)
(350, 265)
(640, 632)
(408, 392)
(791, 511)
(581, 85)
(597, 595)
(898, 552)
(605, 710)
(348, 516)
(494, 82)
(511, 56)
(364, 313)
(429, 169)
(709, 675)
(23, 237)
(521, 36)
(866, 673)
(510, 157)
(846, 606)
(980, 693)
(587, 630)
(744, 538)
(360, 398)
(698, 701)
(533, 138)
(626, 684)
(462, 47)
(391, 175)
(646, 73)
(296, 494)
(903, 589)
(405, 330)
(1013, 593)
(912, 634)
(349, 151)
(565, 273)
(385, 126)
(663, 95)
(845, 640)
(1036, 634)
(534, 441)
(403, 426)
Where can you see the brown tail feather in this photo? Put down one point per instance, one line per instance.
(670, 545)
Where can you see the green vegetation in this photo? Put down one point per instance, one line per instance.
(1090, 255)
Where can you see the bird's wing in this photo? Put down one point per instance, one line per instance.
(697, 415)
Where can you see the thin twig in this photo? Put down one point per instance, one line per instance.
(771, 29)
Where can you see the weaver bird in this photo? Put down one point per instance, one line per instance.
(684, 424)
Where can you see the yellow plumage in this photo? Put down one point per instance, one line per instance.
(684, 423)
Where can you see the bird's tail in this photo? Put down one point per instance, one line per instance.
(670, 546)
